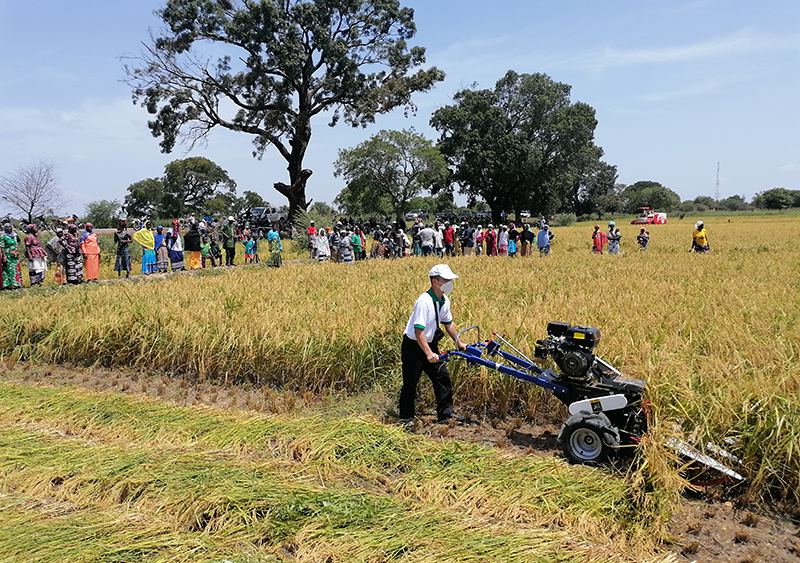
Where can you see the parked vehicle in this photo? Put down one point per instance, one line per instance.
(649, 216)
(416, 214)
(266, 216)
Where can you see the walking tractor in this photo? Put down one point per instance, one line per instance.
(607, 411)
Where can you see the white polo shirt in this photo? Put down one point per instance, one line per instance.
(424, 315)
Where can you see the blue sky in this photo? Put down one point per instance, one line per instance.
(677, 86)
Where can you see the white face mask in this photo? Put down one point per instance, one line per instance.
(447, 287)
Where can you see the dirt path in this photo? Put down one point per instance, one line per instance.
(703, 530)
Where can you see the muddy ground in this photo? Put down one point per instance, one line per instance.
(704, 529)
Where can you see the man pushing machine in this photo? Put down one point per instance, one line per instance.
(420, 349)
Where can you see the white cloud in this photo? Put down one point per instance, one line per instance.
(744, 41)
(789, 168)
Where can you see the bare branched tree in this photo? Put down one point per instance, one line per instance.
(32, 189)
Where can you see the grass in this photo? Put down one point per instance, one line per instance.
(714, 336)
(149, 481)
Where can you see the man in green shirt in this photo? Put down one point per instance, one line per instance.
(229, 241)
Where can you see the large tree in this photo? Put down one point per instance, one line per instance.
(103, 213)
(144, 199)
(520, 145)
(190, 182)
(396, 165)
(280, 64)
(646, 193)
(32, 190)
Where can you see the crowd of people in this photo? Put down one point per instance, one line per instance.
(347, 242)
(74, 256)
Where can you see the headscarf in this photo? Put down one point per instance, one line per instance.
(144, 237)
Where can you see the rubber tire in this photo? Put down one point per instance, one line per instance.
(588, 438)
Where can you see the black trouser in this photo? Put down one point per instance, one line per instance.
(230, 254)
(414, 363)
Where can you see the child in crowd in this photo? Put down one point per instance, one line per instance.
(249, 244)
(205, 252)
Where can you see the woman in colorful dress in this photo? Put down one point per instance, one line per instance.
(275, 248)
(175, 247)
(123, 240)
(36, 255)
(91, 252)
(162, 254)
(9, 257)
(146, 239)
(73, 259)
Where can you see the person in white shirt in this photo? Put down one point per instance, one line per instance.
(420, 349)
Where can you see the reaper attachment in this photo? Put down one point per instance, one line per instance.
(608, 411)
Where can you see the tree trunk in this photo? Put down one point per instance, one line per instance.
(295, 193)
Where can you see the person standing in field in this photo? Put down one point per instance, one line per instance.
(145, 238)
(699, 238)
(643, 238)
(490, 238)
(122, 258)
(162, 254)
(438, 241)
(312, 235)
(355, 241)
(275, 247)
(194, 247)
(55, 255)
(427, 239)
(229, 241)
(599, 240)
(543, 240)
(502, 241)
(250, 245)
(420, 348)
(322, 246)
(9, 257)
(91, 252)
(613, 238)
(513, 240)
(526, 238)
(36, 255)
(175, 247)
(449, 239)
(479, 240)
(73, 259)
(467, 236)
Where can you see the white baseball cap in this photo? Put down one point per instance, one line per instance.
(442, 271)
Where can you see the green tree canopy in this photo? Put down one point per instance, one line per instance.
(191, 182)
(776, 198)
(279, 64)
(144, 199)
(646, 193)
(104, 213)
(395, 165)
(596, 190)
(519, 146)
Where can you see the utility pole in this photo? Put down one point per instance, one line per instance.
(716, 192)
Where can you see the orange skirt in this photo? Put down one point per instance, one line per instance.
(195, 260)
(92, 266)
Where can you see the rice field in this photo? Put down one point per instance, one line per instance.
(714, 336)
